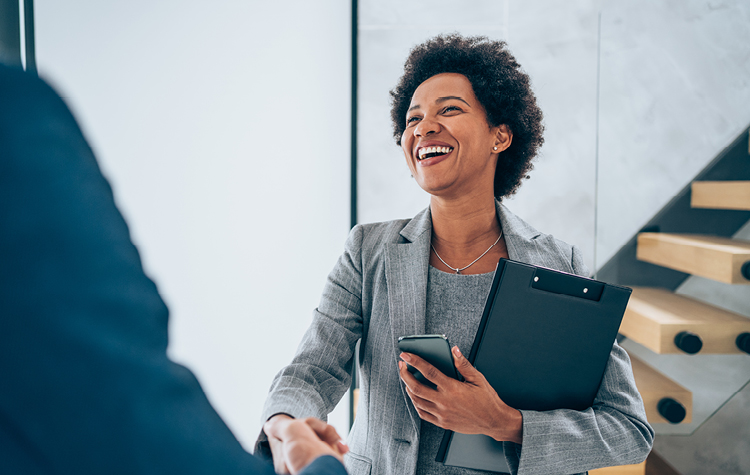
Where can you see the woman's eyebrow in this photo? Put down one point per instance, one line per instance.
(440, 100)
(448, 98)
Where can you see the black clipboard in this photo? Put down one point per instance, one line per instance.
(543, 343)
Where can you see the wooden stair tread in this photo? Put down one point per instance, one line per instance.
(637, 469)
(655, 316)
(720, 195)
(670, 308)
(654, 387)
(653, 465)
(721, 244)
(712, 257)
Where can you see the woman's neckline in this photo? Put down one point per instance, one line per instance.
(461, 275)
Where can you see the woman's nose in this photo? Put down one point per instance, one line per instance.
(426, 127)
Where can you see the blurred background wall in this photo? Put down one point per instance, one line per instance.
(225, 129)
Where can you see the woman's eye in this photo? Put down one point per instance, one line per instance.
(412, 119)
(452, 109)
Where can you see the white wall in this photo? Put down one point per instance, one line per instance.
(224, 129)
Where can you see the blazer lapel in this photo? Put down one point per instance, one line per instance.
(518, 235)
(526, 244)
(407, 266)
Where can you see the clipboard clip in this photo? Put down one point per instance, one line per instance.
(567, 284)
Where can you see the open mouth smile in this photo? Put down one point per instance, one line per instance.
(430, 152)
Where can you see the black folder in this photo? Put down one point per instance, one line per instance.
(543, 343)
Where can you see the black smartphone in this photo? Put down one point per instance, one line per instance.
(434, 349)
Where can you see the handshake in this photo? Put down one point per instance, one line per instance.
(295, 443)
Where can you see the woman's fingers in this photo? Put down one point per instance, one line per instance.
(274, 429)
(413, 386)
(297, 443)
(417, 399)
(467, 370)
(430, 372)
(406, 376)
(428, 416)
(277, 452)
(425, 408)
(469, 407)
(327, 434)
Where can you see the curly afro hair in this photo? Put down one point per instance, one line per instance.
(500, 85)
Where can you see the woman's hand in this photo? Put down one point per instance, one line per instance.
(295, 443)
(468, 407)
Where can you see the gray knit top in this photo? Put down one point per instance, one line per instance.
(454, 308)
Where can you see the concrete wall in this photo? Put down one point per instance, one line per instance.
(675, 90)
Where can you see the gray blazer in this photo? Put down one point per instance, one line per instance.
(377, 292)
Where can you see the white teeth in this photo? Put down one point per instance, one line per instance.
(426, 150)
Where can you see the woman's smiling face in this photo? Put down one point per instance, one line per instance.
(448, 143)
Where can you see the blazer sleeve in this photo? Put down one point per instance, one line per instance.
(320, 373)
(613, 431)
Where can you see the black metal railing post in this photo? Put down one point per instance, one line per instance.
(353, 218)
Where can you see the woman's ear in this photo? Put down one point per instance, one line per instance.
(503, 138)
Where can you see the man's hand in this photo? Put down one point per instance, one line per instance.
(468, 407)
(295, 443)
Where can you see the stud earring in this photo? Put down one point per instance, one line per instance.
(494, 148)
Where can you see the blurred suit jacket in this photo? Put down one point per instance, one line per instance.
(377, 292)
(85, 383)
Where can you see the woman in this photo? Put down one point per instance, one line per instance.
(469, 126)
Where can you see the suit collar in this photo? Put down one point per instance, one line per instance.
(514, 228)
(517, 233)
(526, 244)
(418, 225)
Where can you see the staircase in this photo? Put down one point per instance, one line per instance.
(680, 242)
